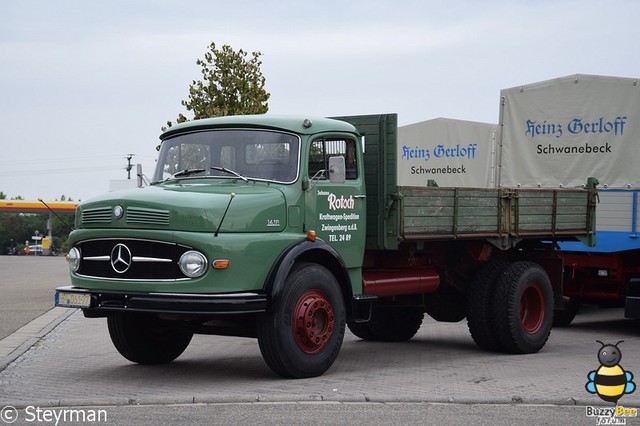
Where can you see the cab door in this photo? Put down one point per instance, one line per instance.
(336, 205)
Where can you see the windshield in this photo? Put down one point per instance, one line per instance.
(229, 154)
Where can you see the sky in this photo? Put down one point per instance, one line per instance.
(85, 83)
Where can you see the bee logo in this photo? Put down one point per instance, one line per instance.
(610, 381)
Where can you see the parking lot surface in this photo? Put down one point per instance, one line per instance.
(57, 358)
(76, 364)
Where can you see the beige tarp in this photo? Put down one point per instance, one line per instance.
(560, 132)
(452, 153)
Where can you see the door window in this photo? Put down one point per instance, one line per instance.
(323, 149)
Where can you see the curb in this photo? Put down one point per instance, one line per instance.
(16, 344)
(293, 399)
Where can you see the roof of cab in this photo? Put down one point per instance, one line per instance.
(294, 124)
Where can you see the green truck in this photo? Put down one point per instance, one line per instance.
(290, 229)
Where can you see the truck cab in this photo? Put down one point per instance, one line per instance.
(238, 208)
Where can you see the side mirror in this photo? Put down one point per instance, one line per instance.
(337, 170)
(139, 174)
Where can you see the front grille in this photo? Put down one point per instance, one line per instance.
(131, 259)
(97, 215)
(147, 216)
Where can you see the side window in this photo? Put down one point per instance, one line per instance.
(323, 149)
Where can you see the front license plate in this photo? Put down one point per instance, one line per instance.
(73, 300)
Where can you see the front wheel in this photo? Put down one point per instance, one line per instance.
(147, 339)
(302, 333)
(523, 308)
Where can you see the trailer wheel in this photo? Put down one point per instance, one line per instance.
(394, 323)
(302, 333)
(523, 308)
(146, 339)
(480, 297)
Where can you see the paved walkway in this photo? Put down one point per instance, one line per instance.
(27, 285)
(70, 361)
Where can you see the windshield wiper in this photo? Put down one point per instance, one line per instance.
(231, 172)
(186, 172)
(181, 173)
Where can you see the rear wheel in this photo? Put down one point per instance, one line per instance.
(147, 339)
(361, 330)
(480, 305)
(448, 307)
(523, 308)
(564, 317)
(394, 323)
(302, 334)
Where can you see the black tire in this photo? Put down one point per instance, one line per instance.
(447, 307)
(480, 302)
(361, 330)
(302, 333)
(564, 317)
(146, 339)
(523, 308)
(394, 323)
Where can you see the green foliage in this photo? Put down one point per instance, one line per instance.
(231, 84)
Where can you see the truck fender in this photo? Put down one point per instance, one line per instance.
(307, 251)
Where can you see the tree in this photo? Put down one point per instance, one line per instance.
(231, 84)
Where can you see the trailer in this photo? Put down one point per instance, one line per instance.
(566, 126)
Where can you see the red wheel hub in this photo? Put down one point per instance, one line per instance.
(313, 321)
(532, 308)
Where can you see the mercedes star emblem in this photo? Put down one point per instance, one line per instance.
(120, 258)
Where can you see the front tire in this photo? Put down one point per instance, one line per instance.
(523, 308)
(302, 333)
(147, 339)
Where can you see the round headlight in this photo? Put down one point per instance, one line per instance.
(193, 264)
(74, 259)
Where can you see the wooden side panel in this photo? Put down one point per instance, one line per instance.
(446, 211)
(428, 213)
(550, 211)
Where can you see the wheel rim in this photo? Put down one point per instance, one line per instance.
(532, 308)
(313, 322)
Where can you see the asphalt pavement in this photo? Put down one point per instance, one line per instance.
(68, 360)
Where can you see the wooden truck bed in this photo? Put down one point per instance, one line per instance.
(398, 213)
(450, 213)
